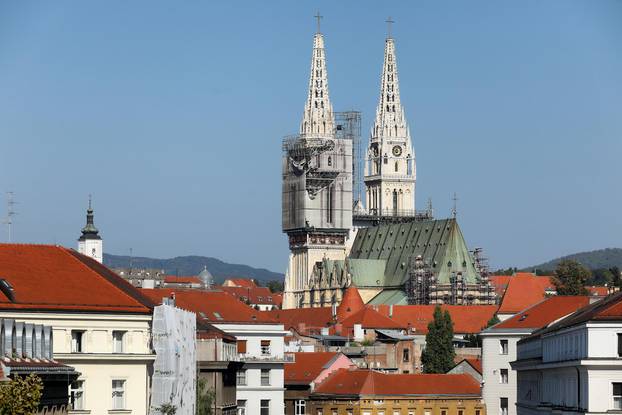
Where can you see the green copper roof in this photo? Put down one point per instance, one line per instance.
(367, 272)
(439, 242)
(398, 297)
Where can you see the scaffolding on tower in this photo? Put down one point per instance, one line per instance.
(348, 127)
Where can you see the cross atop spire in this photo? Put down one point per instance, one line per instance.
(389, 22)
(90, 200)
(318, 119)
(318, 16)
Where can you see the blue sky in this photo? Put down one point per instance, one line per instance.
(171, 114)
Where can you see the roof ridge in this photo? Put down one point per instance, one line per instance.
(78, 257)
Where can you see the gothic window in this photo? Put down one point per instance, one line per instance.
(315, 104)
(396, 166)
(394, 202)
(324, 126)
(396, 125)
(330, 161)
(394, 111)
(322, 104)
(386, 159)
(390, 58)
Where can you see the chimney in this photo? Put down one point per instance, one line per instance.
(333, 308)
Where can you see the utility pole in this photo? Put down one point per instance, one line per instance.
(10, 212)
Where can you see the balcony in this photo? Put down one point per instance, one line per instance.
(285, 358)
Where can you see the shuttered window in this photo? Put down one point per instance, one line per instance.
(241, 346)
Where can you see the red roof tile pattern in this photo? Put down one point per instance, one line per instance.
(500, 282)
(50, 278)
(351, 303)
(307, 366)
(598, 291)
(369, 382)
(303, 320)
(240, 282)
(466, 318)
(475, 364)
(256, 295)
(175, 279)
(544, 312)
(524, 290)
(369, 318)
(210, 306)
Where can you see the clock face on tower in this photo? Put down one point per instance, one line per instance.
(397, 151)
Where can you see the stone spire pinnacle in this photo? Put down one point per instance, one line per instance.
(390, 121)
(318, 119)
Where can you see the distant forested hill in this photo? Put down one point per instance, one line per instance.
(192, 265)
(601, 258)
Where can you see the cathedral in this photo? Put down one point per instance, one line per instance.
(391, 252)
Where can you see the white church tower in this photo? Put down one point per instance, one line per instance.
(90, 243)
(390, 170)
(317, 185)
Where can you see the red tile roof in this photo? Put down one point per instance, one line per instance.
(369, 382)
(175, 279)
(598, 291)
(256, 295)
(466, 318)
(47, 277)
(475, 364)
(544, 312)
(350, 304)
(369, 318)
(307, 366)
(500, 282)
(210, 306)
(303, 319)
(524, 289)
(241, 282)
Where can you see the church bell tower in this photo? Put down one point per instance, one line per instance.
(90, 243)
(390, 169)
(317, 185)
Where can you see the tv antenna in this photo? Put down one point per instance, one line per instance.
(10, 212)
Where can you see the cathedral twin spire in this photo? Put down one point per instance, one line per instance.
(318, 119)
(390, 120)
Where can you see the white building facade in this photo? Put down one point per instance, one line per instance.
(575, 366)
(112, 353)
(260, 382)
(499, 380)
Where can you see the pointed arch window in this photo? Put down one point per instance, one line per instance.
(396, 166)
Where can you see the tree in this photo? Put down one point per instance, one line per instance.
(601, 276)
(205, 398)
(275, 286)
(615, 272)
(21, 396)
(439, 353)
(570, 278)
(167, 409)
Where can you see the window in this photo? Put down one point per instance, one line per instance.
(76, 341)
(265, 377)
(443, 411)
(242, 407)
(334, 411)
(620, 344)
(118, 394)
(617, 395)
(320, 411)
(406, 355)
(300, 407)
(503, 346)
(265, 347)
(117, 341)
(460, 411)
(241, 378)
(478, 412)
(503, 376)
(76, 394)
(503, 406)
(242, 346)
(264, 408)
